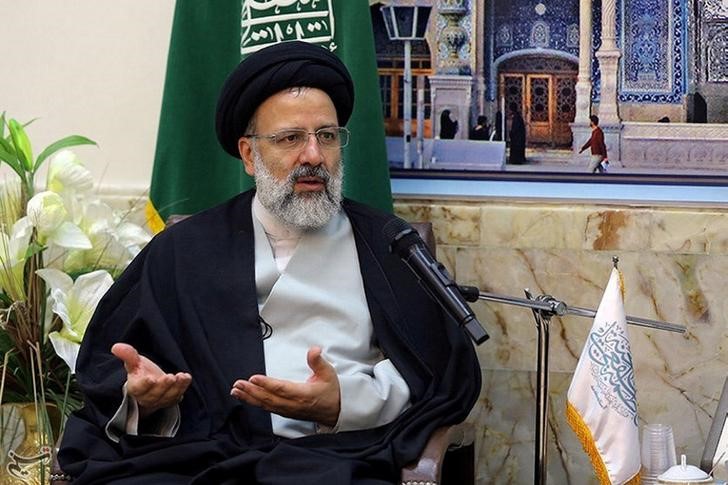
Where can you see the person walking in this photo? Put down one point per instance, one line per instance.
(599, 161)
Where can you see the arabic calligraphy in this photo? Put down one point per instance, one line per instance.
(20, 466)
(611, 367)
(267, 22)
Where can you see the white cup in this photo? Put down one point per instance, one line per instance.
(658, 451)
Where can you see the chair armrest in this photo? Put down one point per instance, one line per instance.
(57, 476)
(428, 468)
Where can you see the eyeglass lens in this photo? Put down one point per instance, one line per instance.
(335, 137)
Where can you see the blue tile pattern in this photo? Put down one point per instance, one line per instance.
(653, 64)
(519, 26)
(653, 67)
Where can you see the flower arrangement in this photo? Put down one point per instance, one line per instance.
(60, 249)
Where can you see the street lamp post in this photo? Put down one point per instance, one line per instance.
(406, 20)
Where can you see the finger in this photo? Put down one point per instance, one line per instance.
(163, 391)
(182, 382)
(316, 362)
(274, 387)
(127, 354)
(184, 379)
(148, 390)
(239, 391)
(273, 394)
(172, 395)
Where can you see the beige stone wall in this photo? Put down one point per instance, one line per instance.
(652, 112)
(674, 260)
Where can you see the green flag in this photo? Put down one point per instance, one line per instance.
(191, 171)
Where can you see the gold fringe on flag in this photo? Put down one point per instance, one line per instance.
(154, 220)
(587, 442)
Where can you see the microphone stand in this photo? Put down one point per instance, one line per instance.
(544, 307)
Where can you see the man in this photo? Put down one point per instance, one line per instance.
(273, 338)
(599, 161)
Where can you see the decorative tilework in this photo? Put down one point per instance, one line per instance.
(523, 21)
(653, 67)
(460, 10)
(540, 34)
(572, 35)
(645, 51)
(519, 29)
(717, 53)
(653, 62)
(596, 44)
(715, 10)
(504, 38)
(710, 23)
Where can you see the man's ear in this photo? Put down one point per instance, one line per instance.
(246, 154)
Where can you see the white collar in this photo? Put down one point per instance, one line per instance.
(273, 227)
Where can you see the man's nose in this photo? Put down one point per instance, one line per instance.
(312, 152)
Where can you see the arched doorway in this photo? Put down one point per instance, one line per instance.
(543, 89)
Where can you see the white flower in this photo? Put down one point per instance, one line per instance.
(66, 173)
(114, 243)
(48, 214)
(13, 252)
(75, 303)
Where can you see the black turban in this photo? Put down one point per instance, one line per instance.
(271, 70)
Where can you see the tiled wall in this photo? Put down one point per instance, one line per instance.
(675, 265)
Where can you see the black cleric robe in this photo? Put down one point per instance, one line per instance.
(188, 302)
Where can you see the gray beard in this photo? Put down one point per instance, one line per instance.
(306, 211)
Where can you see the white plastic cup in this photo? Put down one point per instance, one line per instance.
(658, 451)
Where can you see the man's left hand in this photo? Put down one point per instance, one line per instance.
(318, 399)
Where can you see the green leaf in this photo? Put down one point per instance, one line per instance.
(2, 125)
(7, 146)
(29, 122)
(7, 155)
(69, 141)
(34, 248)
(22, 144)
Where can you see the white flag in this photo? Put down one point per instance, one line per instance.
(602, 400)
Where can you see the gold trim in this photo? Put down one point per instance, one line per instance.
(583, 432)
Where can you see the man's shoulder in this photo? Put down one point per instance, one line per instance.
(215, 223)
(362, 211)
(229, 213)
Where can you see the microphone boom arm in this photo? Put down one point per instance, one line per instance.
(549, 306)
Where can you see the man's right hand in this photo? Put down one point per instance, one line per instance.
(150, 386)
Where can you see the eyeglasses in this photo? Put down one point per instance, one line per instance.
(333, 137)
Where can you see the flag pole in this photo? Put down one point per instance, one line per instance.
(544, 307)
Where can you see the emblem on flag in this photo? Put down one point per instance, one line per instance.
(611, 369)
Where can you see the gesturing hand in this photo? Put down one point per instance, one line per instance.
(149, 385)
(318, 399)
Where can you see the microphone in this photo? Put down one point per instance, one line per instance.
(432, 275)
